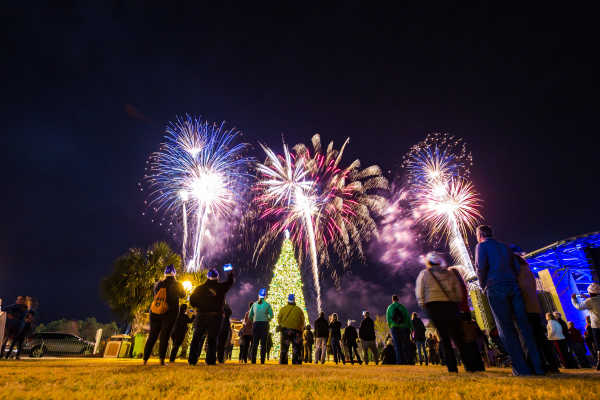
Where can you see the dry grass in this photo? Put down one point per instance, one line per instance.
(128, 379)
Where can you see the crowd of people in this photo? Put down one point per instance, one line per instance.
(523, 337)
(520, 337)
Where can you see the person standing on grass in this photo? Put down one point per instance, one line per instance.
(245, 335)
(163, 313)
(308, 340)
(15, 321)
(25, 332)
(290, 321)
(261, 314)
(439, 293)
(498, 272)
(528, 287)
(209, 301)
(224, 334)
(335, 336)
(401, 326)
(419, 338)
(566, 342)
(593, 305)
(366, 333)
(578, 345)
(180, 329)
(350, 345)
(588, 337)
(321, 334)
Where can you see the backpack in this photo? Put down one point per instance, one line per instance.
(159, 304)
(398, 316)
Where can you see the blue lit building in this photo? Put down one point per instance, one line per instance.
(564, 268)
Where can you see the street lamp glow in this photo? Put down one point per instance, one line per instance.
(187, 285)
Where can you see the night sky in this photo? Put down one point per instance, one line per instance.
(88, 89)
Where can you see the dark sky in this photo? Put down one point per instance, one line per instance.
(87, 90)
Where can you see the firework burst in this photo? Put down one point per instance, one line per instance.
(197, 174)
(327, 208)
(443, 199)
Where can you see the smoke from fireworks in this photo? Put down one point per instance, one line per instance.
(443, 199)
(324, 206)
(197, 174)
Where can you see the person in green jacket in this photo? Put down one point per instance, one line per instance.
(291, 323)
(260, 314)
(401, 327)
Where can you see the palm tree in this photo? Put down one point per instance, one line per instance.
(128, 290)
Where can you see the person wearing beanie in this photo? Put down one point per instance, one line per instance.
(321, 335)
(439, 293)
(308, 339)
(179, 330)
(498, 271)
(592, 304)
(261, 313)
(209, 301)
(350, 345)
(163, 313)
(290, 322)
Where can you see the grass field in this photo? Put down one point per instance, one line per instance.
(128, 379)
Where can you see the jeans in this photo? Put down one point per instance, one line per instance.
(338, 355)
(401, 338)
(307, 353)
(445, 318)
(245, 343)
(260, 330)
(160, 327)
(421, 352)
(369, 345)
(350, 349)
(208, 324)
(222, 340)
(320, 349)
(506, 302)
(176, 344)
(293, 337)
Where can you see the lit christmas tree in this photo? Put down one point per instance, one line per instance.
(286, 279)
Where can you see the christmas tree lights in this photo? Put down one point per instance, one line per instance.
(286, 279)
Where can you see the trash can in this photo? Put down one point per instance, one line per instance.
(139, 341)
(118, 346)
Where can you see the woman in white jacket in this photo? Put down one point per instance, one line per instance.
(556, 337)
(438, 293)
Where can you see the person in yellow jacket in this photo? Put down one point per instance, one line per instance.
(290, 324)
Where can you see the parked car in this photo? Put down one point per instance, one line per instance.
(56, 343)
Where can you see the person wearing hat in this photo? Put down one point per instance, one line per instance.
(366, 333)
(290, 321)
(163, 313)
(593, 305)
(261, 313)
(528, 287)
(498, 271)
(209, 301)
(438, 292)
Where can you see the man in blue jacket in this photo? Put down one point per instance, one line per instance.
(498, 269)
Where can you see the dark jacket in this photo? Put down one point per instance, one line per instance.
(210, 296)
(175, 291)
(321, 328)
(16, 311)
(181, 325)
(226, 324)
(335, 330)
(496, 264)
(366, 331)
(388, 355)
(419, 329)
(308, 337)
(350, 336)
